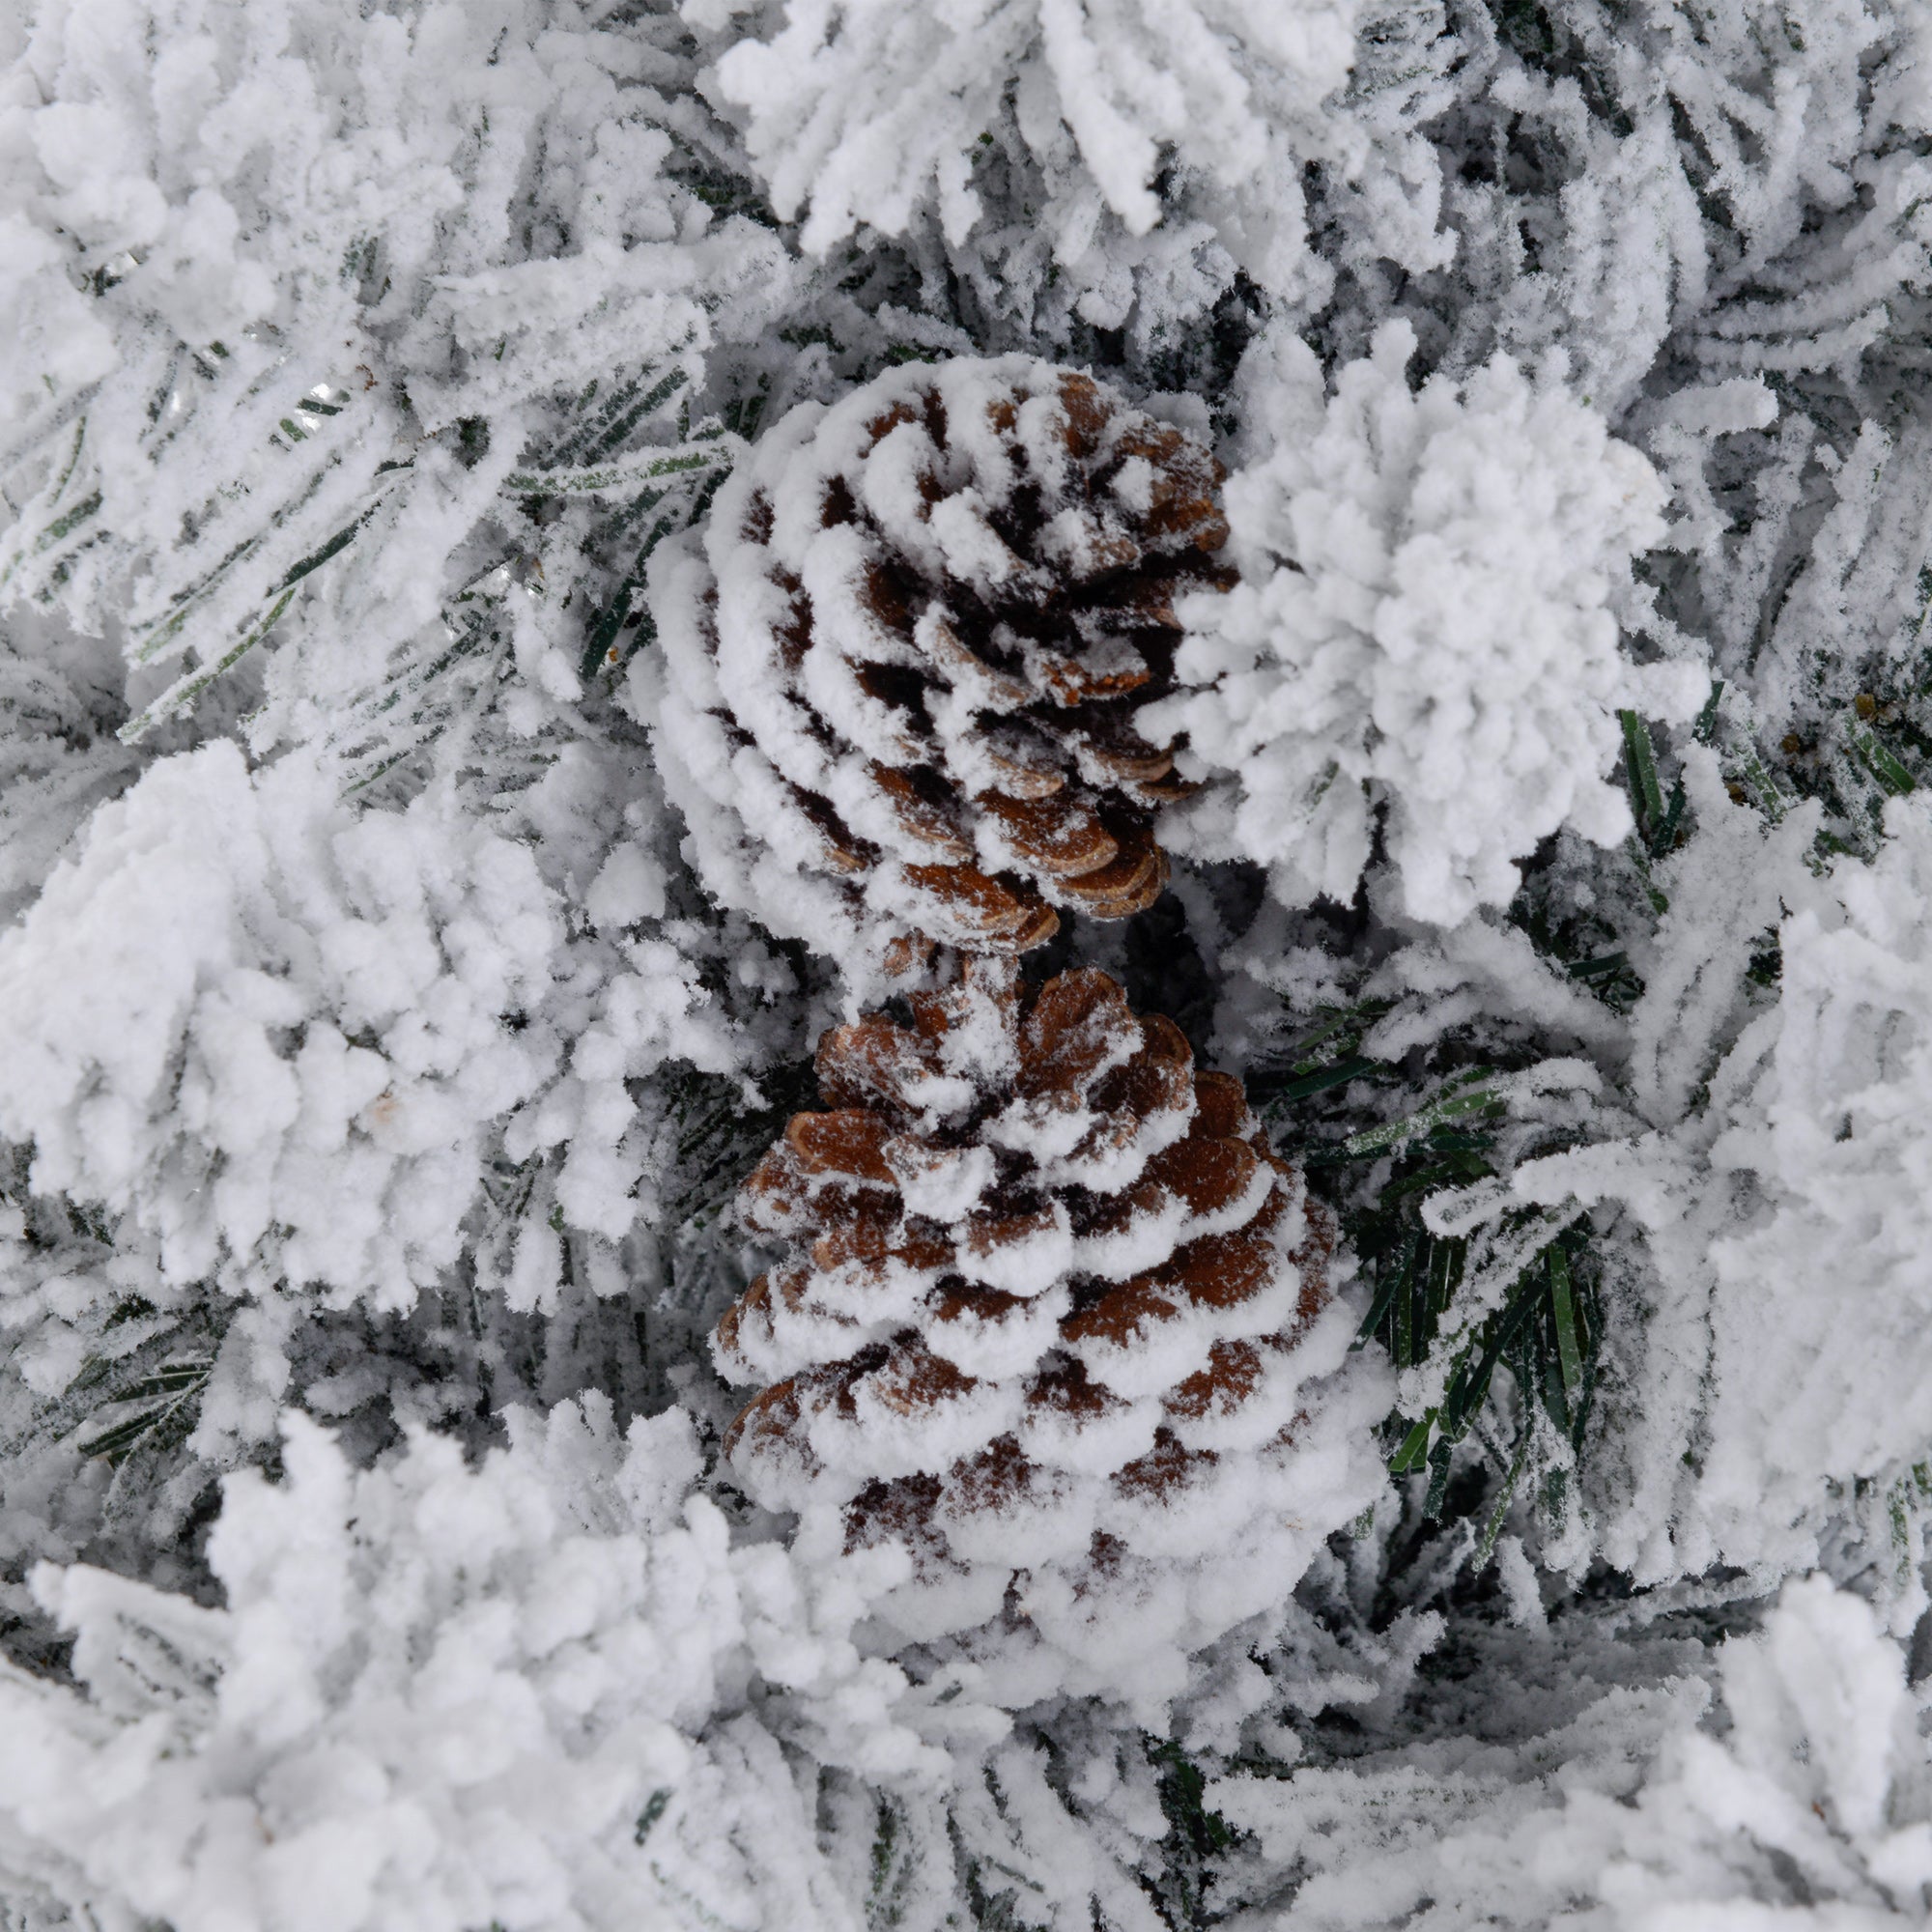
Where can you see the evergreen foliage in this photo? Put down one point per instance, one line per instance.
(387, 1028)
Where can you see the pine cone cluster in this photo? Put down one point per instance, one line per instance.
(1050, 1321)
(900, 679)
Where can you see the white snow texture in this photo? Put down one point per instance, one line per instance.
(438, 1697)
(406, 952)
(1425, 627)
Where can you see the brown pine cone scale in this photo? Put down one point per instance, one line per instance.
(911, 653)
(1043, 1279)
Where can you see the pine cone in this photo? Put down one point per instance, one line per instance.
(901, 676)
(1050, 1322)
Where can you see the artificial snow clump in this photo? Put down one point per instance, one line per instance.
(1774, 1392)
(437, 1698)
(1818, 1371)
(57, 691)
(281, 1037)
(292, 292)
(1811, 1807)
(871, 109)
(1058, 1323)
(898, 677)
(1424, 630)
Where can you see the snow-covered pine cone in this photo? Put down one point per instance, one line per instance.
(899, 676)
(1057, 1320)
